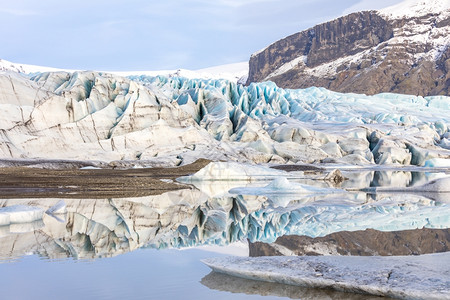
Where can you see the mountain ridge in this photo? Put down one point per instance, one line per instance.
(401, 49)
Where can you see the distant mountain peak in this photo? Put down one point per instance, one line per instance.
(417, 8)
(404, 49)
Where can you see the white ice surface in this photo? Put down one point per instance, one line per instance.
(405, 277)
(25, 68)
(233, 171)
(288, 66)
(168, 121)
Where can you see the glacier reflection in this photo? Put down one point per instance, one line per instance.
(192, 217)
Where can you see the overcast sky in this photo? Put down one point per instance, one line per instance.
(154, 35)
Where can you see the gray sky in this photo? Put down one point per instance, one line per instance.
(152, 35)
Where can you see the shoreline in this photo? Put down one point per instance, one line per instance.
(23, 181)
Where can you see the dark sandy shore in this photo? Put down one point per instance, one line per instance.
(23, 181)
(36, 178)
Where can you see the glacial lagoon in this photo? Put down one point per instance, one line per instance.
(151, 247)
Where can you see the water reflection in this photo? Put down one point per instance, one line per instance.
(389, 178)
(185, 218)
(367, 242)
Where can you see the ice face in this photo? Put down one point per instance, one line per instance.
(383, 129)
(169, 121)
(307, 105)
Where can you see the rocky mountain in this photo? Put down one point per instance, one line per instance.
(401, 49)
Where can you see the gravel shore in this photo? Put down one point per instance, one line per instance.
(22, 181)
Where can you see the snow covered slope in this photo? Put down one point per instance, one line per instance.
(233, 72)
(417, 8)
(24, 68)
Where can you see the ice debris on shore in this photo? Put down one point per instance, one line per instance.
(405, 277)
(233, 171)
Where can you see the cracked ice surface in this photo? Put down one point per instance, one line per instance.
(167, 121)
(405, 277)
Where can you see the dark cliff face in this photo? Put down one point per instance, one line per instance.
(363, 53)
(323, 43)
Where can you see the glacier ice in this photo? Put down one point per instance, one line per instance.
(404, 277)
(233, 171)
(164, 120)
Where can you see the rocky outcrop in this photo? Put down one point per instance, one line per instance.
(367, 242)
(323, 43)
(366, 52)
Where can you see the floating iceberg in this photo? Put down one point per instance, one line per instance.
(404, 277)
(58, 208)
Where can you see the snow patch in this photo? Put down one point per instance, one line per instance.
(288, 66)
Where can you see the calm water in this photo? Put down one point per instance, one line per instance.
(151, 247)
(141, 274)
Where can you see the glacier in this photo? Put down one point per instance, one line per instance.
(170, 120)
